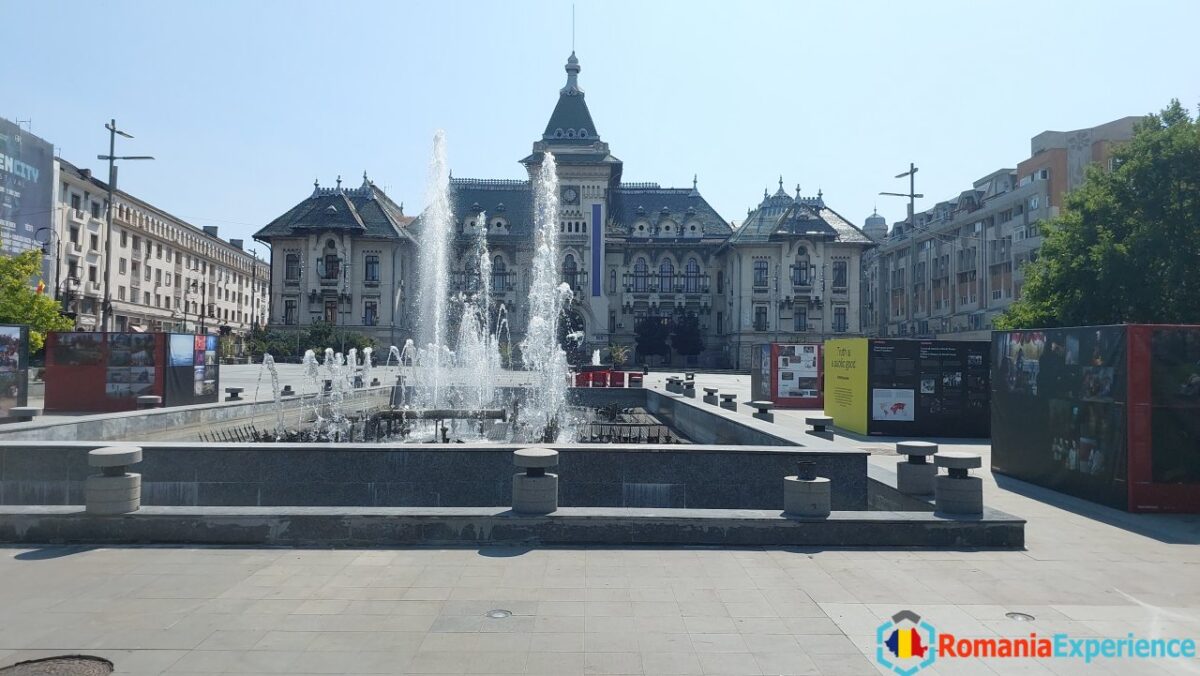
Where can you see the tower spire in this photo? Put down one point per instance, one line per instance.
(572, 68)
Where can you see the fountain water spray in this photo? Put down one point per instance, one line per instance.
(543, 356)
(434, 264)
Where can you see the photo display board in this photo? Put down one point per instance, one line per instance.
(193, 371)
(760, 372)
(796, 375)
(102, 371)
(1105, 413)
(926, 388)
(14, 368)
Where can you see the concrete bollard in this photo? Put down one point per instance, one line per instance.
(287, 391)
(234, 393)
(762, 410)
(24, 413)
(689, 389)
(535, 491)
(807, 494)
(374, 382)
(729, 402)
(149, 401)
(819, 423)
(958, 492)
(114, 491)
(915, 476)
(710, 395)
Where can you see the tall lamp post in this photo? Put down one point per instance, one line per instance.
(106, 304)
(51, 237)
(912, 196)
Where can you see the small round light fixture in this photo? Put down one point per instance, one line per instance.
(1020, 617)
(499, 614)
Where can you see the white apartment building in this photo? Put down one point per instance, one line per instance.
(166, 274)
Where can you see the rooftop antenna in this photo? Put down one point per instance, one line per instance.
(29, 123)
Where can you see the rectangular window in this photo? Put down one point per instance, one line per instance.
(74, 237)
(331, 311)
(839, 274)
(370, 313)
(91, 273)
(760, 274)
(167, 280)
(121, 266)
(839, 320)
(167, 302)
(120, 293)
(800, 319)
(158, 277)
(157, 300)
(76, 202)
(372, 269)
(95, 210)
(137, 243)
(720, 317)
(146, 298)
(760, 318)
(720, 282)
(612, 322)
(291, 268)
(158, 250)
(124, 238)
(94, 242)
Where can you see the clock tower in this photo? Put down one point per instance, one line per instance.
(588, 178)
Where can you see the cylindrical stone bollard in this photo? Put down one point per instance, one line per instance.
(114, 491)
(915, 476)
(806, 494)
(958, 492)
(535, 491)
(148, 401)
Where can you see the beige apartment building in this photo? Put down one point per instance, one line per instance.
(956, 266)
(166, 274)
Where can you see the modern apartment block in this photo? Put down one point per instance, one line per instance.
(957, 265)
(166, 274)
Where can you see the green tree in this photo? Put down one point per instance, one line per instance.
(20, 303)
(685, 335)
(651, 335)
(1126, 245)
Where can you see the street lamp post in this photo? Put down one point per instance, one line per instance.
(912, 196)
(106, 304)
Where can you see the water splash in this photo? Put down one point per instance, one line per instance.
(434, 263)
(546, 403)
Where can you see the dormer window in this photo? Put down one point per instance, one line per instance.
(583, 133)
(558, 133)
(570, 133)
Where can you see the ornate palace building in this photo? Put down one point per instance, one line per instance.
(789, 272)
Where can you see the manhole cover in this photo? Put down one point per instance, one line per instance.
(499, 614)
(67, 665)
(1020, 617)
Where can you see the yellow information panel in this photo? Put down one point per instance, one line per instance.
(846, 383)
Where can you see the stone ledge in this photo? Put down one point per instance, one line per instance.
(358, 527)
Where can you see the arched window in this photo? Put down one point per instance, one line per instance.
(692, 276)
(666, 275)
(641, 273)
(499, 275)
(331, 262)
(801, 269)
(570, 271)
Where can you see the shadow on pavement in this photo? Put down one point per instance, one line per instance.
(1174, 529)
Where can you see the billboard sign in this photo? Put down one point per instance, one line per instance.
(26, 188)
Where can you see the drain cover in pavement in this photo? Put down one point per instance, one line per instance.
(1020, 617)
(67, 665)
(499, 614)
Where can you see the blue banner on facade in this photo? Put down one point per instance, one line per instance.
(597, 252)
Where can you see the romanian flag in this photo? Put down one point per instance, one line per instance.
(41, 287)
(905, 643)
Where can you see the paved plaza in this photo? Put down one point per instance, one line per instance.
(1086, 570)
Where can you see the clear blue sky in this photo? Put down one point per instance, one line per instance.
(244, 103)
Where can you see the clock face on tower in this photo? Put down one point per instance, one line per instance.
(570, 195)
